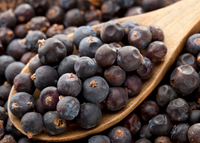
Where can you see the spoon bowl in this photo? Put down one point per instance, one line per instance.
(178, 22)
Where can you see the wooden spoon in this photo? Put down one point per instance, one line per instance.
(178, 21)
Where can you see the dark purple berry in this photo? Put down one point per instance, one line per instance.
(54, 30)
(8, 19)
(27, 57)
(67, 4)
(24, 140)
(193, 133)
(99, 139)
(194, 117)
(39, 23)
(40, 6)
(162, 139)
(157, 33)
(143, 140)
(70, 29)
(135, 10)
(3, 114)
(5, 60)
(21, 30)
(39, 108)
(192, 45)
(34, 64)
(55, 14)
(150, 5)
(6, 35)
(145, 132)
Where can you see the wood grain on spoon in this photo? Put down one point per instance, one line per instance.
(178, 21)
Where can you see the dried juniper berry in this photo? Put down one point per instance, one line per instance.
(120, 134)
(8, 19)
(23, 83)
(52, 51)
(145, 132)
(24, 140)
(70, 29)
(39, 108)
(178, 110)
(53, 123)
(133, 123)
(67, 4)
(68, 107)
(54, 30)
(32, 124)
(179, 133)
(85, 67)
(117, 98)
(5, 60)
(112, 31)
(148, 110)
(89, 115)
(49, 97)
(140, 37)
(105, 55)
(74, 17)
(21, 30)
(99, 139)
(82, 32)
(150, 5)
(10, 128)
(194, 117)
(89, 45)
(27, 57)
(3, 114)
(132, 84)
(5, 106)
(45, 76)
(13, 70)
(145, 70)
(135, 10)
(6, 35)
(100, 70)
(187, 59)
(16, 49)
(24, 12)
(157, 33)
(184, 79)
(21, 103)
(164, 95)
(115, 76)
(143, 140)
(32, 40)
(8, 139)
(69, 85)
(40, 6)
(67, 64)
(95, 89)
(5, 90)
(128, 26)
(66, 41)
(55, 14)
(99, 31)
(192, 45)
(193, 105)
(124, 4)
(34, 64)
(162, 139)
(193, 133)
(160, 125)
(156, 51)
(39, 23)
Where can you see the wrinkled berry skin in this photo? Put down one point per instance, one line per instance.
(143, 140)
(193, 133)
(132, 84)
(160, 125)
(68, 107)
(5, 60)
(89, 115)
(178, 110)
(49, 97)
(32, 122)
(53, 124)
(140, 37)
(32, 40)
(57, 16)
(67, 65)
(112, 32)
(148, 110)
(179, 133)
(69, 85)
(95, 93)
(105, 55)
(117, 98)
(114, 75)
(145, 70)
(39, 23)
(7, 19)
(85, 67)
(145, 132)
(99, 139)
(129, 58)
(133, 123)
(156, 51)
(34, 64)
(194, 116)
(192, 45)
(45, 76)
(120, 134)
(23, 83)
(157, 33)
(82, 32)
(184, 79)
(89, 45)
(164, 95)
(21, 103)
(13, 70)
(52, 52)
